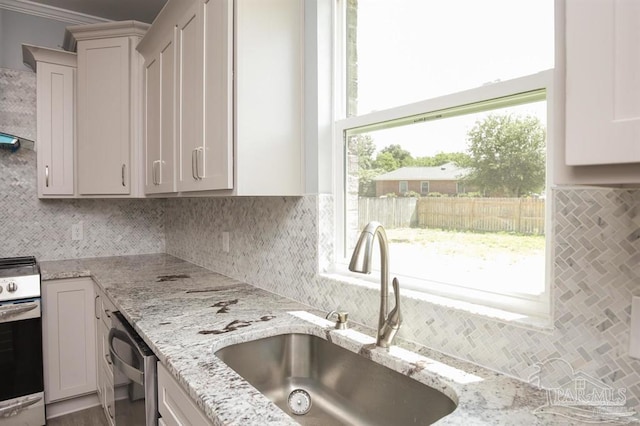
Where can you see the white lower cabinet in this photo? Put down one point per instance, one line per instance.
(69, 338)
(174, 405)
(104, 309)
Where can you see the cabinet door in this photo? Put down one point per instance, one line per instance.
(104, 116)
(190, 35)
(204, 80)
(160, 119)
(602, 88)
(215, 170)
(55, 113)
(69, 341)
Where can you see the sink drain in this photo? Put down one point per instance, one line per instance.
(299, 401)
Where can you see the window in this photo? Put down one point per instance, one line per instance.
(424, 188)
(458, 102)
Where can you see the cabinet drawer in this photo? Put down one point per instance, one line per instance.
(108, 401)
(103, 342)
(174, 405)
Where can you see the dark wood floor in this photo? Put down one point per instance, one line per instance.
(90, 417)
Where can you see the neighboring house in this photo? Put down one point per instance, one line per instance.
(444, 179)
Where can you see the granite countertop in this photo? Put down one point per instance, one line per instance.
(185, 313)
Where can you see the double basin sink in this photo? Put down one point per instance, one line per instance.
(320, 383)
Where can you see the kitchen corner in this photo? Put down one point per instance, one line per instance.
(228, 220)
(185, 313)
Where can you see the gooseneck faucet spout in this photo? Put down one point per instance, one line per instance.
(388, 323)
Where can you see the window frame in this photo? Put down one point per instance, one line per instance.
(528, 305)
(402, 183)
(422, 184)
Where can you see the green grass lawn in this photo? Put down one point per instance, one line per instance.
(491, 261)
(470, 243)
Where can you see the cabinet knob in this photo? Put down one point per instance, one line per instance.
(46, 176)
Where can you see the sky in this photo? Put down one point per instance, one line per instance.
(410, 50)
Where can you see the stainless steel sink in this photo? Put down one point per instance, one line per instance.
(339, 387)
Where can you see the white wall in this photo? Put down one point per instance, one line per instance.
(17, 28)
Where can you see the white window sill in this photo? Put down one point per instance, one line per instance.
(541, 324)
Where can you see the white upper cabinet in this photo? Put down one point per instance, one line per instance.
(56, 73)
(159, 117)
(214, 158)
(109, 93)
(238, 94)
(269, 79)
(599, 45)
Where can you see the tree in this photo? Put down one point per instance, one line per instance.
(460, 159)
(387, 162)
(507, 155)
(362, 147)
(401, 156)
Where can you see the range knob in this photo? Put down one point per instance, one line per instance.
(12, 287)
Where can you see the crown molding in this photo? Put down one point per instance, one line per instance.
(50, 12)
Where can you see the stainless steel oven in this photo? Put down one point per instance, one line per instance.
(133, 360)
(21, 376)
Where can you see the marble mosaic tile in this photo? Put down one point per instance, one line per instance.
(42, 228)
(18, 103)
(274, 245)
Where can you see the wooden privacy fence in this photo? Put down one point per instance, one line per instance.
(391, 212)
(520, 215)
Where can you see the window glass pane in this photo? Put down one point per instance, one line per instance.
(473, 214)
(404, 51)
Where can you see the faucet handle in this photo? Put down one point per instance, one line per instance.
(392, 324)
(342, 318)
(395, 316)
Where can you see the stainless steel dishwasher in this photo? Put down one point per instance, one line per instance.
(133, 359)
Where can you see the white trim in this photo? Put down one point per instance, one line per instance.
(68, 406)
(31, 55)
(539, 306)
(50, 12)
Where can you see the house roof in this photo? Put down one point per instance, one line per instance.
(448, 171)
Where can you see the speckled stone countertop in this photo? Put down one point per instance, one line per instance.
(185, 313)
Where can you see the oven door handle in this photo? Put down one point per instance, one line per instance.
(13, 310)
(131, 372)
(14, 409)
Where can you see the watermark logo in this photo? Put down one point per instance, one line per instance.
(578, 396)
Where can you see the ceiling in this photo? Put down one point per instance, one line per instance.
(116, 10)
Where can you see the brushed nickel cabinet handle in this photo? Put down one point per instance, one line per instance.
(46, 176)
(153, 173)
(194, 160)
(123, 167)
(198, 151)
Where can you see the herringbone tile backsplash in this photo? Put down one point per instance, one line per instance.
(275, 241)
(18, 103)
(42, 228)
(280, 244)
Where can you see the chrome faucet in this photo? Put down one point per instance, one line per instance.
(388, 322)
